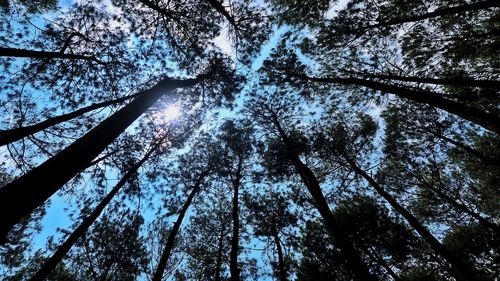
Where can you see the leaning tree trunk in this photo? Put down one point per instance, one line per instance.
(58, 255)
(351, 255)
(9, 136)
(486, 120)
(279, 249)
(175, 229)
(221, 10)
(470, 150)
(35, 187)
(233, 255)
(460, 269)
(463, 208)
(22, 53)
(461, 82)
(380, 260)
(436, 13)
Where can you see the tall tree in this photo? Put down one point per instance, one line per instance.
(58, 255)
(270, 215)
(237, 143)
(194, 168)
(290, 151)
(287, 68)
(55, 172)
(346, 145)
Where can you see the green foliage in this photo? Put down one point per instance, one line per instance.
(406, 92)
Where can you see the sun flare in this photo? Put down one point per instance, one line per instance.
(172, 112)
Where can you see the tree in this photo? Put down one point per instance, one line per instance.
(269, 116)
(8, 136)
(381, 238)
(287, 68)
(111, 250)
(236, 141)
(65, 247)
(208, 238)
(270, 216)
(346, 146)
(99, 137)
(194, 168)
(332, 140)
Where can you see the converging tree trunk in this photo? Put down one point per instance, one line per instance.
(233, 255)
(64, 248)
(462, 82)
(472, 151)
(9, 136)
(460, 269)
(459, 206)
(22, 53)
(486, 120)
(436, 13)
(281, 260)
(351, 255)
(380, 260)
(35, 187)
(175, 229)
(220, 8)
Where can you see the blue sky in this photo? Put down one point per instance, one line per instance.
(57, 213)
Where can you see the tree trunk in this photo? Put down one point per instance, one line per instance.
(9, 136)
(220, 8)
(233, 255)
(436, 13)
(352, 256)
(459, 268)
(463, 82)
(177, 225)
(474, 152)
(380, 260)
(58, 255)
(281, 260)
(35, 187)
(463, 208)
(218, 264)
(484, 119)
(154, 6)
(22, 53)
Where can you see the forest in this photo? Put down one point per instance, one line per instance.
(233, 140)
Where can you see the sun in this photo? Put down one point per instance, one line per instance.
(171, 112)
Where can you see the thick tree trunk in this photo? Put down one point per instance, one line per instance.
(281, 260)
(21, 53)
(437, 13)
(351, 255)
(484, 119)
(177, 225)
(233, 255)
(459, 268)
(58, 255)
(9, 136)
(35, 187)
(462, 82)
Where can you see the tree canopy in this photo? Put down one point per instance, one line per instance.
(250, 140)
